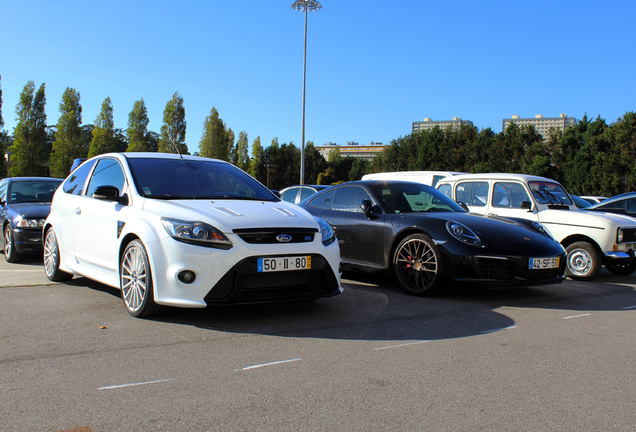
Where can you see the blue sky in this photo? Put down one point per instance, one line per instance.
(373, 66)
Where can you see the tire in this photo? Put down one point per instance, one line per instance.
(416, 265)
(135, 278)
(622, 267)
(11, 255)
(52, 259)
(583, 261)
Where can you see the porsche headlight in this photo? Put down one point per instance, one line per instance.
(463, 233)
(328, 235)
(30, 223)
(540, 228)
(197, 233)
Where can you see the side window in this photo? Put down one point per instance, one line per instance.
(445, 189)
(306, 193)
(472, 193)
(108, 172)
(74, 184)
(616, 205)
(348, 199)
(290, 195)
(630, 206)
(323, 201)
(3, 191)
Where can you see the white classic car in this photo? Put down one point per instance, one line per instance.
(590, 239)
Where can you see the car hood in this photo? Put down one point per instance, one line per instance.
(500, 235)
(31, 210)
(585, 217)
(228, 215)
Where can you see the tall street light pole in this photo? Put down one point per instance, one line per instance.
(304, 6)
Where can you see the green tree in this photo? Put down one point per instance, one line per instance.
(232, 156)
(3, 138)
(213, 143)
(242, 159)
(68, 144)
(28, 152)
(137, 132)
(173, 130)
(104, 132)
(258, 169)
(314, 163)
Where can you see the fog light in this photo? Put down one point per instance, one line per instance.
(186, 276)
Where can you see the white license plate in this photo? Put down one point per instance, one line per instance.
(284, 263)
(543, 263)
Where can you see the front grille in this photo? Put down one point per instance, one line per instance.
(629, 235)
(268, 235)
(507, 269)
(244, 284)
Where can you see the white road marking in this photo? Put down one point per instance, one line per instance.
(22, 271)
(133, 384)
(630, 307)
(266, 364)
(401, 345)
(497, 329)
(577, 316)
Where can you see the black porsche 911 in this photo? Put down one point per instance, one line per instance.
(25, 202)
(427, 239)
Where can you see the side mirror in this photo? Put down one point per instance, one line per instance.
(110, 193)
(526, 205)
(366, 206)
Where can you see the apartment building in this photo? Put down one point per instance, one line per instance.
(541, 124)
(353, 149)
(430, 124)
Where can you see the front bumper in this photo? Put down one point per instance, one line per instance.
(28, 240)
(230, 276)
(503, 271)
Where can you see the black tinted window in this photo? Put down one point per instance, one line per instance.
(108, 172)
(195, 179)
(74, 184)
(323, 201)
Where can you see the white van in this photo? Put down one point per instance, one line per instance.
(426, 177)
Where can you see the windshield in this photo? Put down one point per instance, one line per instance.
(549, 193)
(398, 197)
(195, 179)
(32, 191)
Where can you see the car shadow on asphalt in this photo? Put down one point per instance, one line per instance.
(373, 308)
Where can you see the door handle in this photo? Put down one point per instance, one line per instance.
(77, 211)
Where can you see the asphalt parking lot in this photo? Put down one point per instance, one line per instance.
(549, 358)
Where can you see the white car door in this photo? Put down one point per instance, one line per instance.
(96, 222)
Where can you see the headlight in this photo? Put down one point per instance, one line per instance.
(30, 223)
(463, 233)
(328, 236)
(198, 233)
(540, 228)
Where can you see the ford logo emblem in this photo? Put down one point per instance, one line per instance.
(283, 238)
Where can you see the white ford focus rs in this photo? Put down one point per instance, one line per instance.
(185, 231)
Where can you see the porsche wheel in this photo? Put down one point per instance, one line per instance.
(416, 264)
(135, 280)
